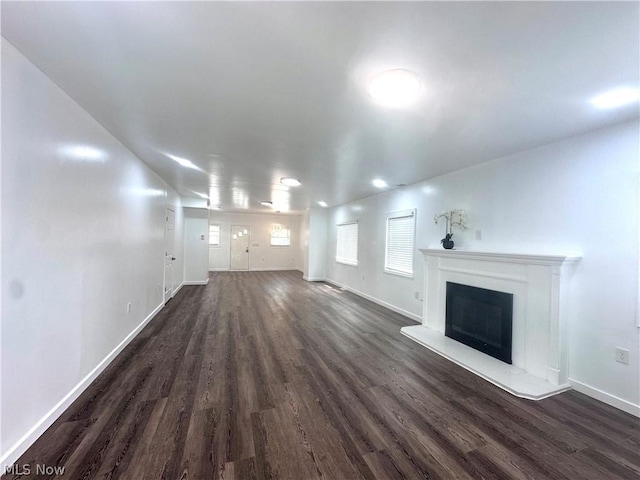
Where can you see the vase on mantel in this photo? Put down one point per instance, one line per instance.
(447, 243)
(453, 218)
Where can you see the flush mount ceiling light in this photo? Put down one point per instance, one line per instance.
(289, 182)
(323, 204)
(83, 153)
(266, 204)
(395, 88)
(183, 162)
(616, 98)
(379, 183)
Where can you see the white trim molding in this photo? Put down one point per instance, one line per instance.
(175, 292)
(605, 397)
(505, 257)
(272, 269)
(21, 446)
(196, 282)
(314, 279)
(399, 310)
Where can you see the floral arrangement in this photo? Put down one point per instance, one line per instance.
(453, 218)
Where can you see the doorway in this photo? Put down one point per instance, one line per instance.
(239, 247)
(169, 258)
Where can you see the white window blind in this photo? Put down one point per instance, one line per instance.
(347, 245)
(280, 235)
(214, 235)
(400, 238)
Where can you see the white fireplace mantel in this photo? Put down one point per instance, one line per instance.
(540, 287)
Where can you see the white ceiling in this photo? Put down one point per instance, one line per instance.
(251, 92)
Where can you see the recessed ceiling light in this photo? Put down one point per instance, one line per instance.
(289, 182)
(266, 204)
(183, 161)
(322, 204)
(395, 88)
(379, 183)
(616, 98)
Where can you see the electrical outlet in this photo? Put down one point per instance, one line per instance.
(478, 234)
(416, 295)
(129, 307)
(622, 355)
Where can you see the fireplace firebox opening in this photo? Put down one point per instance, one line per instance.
(481, 319)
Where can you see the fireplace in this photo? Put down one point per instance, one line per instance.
(538, 287)
(480, 318)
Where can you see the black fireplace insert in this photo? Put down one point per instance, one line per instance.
(481, 319)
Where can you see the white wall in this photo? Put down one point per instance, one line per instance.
(317, 245)
(82, 235)
(196, 246)
(303, 246)
(262, 256)
(580, 194)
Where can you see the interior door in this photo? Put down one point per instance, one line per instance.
(169, 257)
(239, 247)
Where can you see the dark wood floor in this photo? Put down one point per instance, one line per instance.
(263, 375)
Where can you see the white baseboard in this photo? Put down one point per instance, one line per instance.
(274, 269)
(399, 310)
(313, 279)
(177, 289)
(196, 282)
(16, 451)
(605, 397)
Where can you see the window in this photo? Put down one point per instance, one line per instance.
(214, 235)
(400, 236)
(347, 248)
(280, 235)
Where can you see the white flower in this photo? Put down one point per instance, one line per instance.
(454, 218)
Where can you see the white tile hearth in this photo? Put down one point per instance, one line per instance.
(512, 379)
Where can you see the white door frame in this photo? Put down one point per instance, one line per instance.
(167, 290)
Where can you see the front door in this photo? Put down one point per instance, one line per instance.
(169, 257)
(239, 247)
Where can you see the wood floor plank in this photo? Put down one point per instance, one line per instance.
(143, 452)
(321, 438)
(261, 375)
(383, 466)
